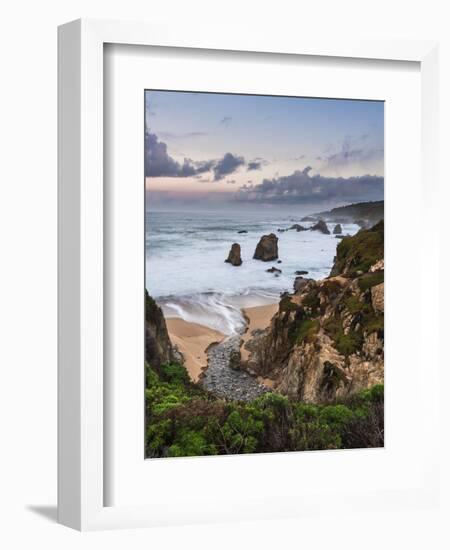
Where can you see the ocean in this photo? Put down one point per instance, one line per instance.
(186, 271)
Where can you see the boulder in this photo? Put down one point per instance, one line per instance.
(234, 257)
(273, 270)
(267, 248)
(337, 229)
(301, 272)
(300, 283)
(321, 226)
(279, 262)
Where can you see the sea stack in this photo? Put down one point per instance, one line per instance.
(267, 248)
(337, 229)
(234, 257)
(321, 226)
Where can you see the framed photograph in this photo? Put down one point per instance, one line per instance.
(235, 276)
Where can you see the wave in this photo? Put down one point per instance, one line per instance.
(219, 311)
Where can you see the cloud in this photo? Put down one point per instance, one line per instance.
(159, 163)
(302, 188)
(227, 165)
(353, 150)
(256, 164)
(226, 120)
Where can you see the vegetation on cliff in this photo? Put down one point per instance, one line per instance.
(184, 420)
(355, 255)
(327, 340)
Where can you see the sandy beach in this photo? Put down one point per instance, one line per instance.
(192, 339)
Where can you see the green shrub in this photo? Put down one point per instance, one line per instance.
(312, 301)
(360, 252)
(184, 420)
(307, 330)
(346, 344)
(354, 305)
(286, 304)
(370, 279)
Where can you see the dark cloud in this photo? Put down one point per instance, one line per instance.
(227, 165)
(254, 165)
(159, 163)
(157, 160)
(300, 187)
(226, 120)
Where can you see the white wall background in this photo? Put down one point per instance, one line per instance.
(28, 267)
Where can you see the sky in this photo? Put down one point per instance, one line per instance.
(205, 150)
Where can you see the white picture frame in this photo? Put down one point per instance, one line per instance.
(81, 404)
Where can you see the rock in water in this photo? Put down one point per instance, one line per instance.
(337, 229)
(234, 257)
(298, 227)
(242, 231)
(273, 270)
(321, 226)
(267, 248)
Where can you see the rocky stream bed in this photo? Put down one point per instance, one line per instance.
(223, 380)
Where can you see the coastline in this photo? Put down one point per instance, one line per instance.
(193, 339)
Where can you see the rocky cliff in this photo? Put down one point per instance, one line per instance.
(327, 339)
(158, 349)
(366, 212)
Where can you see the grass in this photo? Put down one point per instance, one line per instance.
(307, 331)
(346, 344)
(286, 304)
(358, 253)
(370, 279)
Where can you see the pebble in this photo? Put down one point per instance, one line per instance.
(223, 381)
